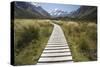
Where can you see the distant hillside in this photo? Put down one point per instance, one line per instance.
(85, 12)
(28, 10)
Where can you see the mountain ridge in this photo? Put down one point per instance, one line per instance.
(28, 10)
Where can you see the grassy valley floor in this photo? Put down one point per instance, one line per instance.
(31, 37)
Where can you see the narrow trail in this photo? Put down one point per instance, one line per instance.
(57, 49)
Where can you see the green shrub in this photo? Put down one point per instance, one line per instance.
(25, 34)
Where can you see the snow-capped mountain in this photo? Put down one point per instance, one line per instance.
(58, 13)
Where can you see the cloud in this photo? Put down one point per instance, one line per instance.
(35, 3)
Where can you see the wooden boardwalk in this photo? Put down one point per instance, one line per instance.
(57, 49)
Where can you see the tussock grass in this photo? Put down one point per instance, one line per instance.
(30, 38)
(82, 39)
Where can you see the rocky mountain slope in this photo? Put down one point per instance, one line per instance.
(28, 10)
